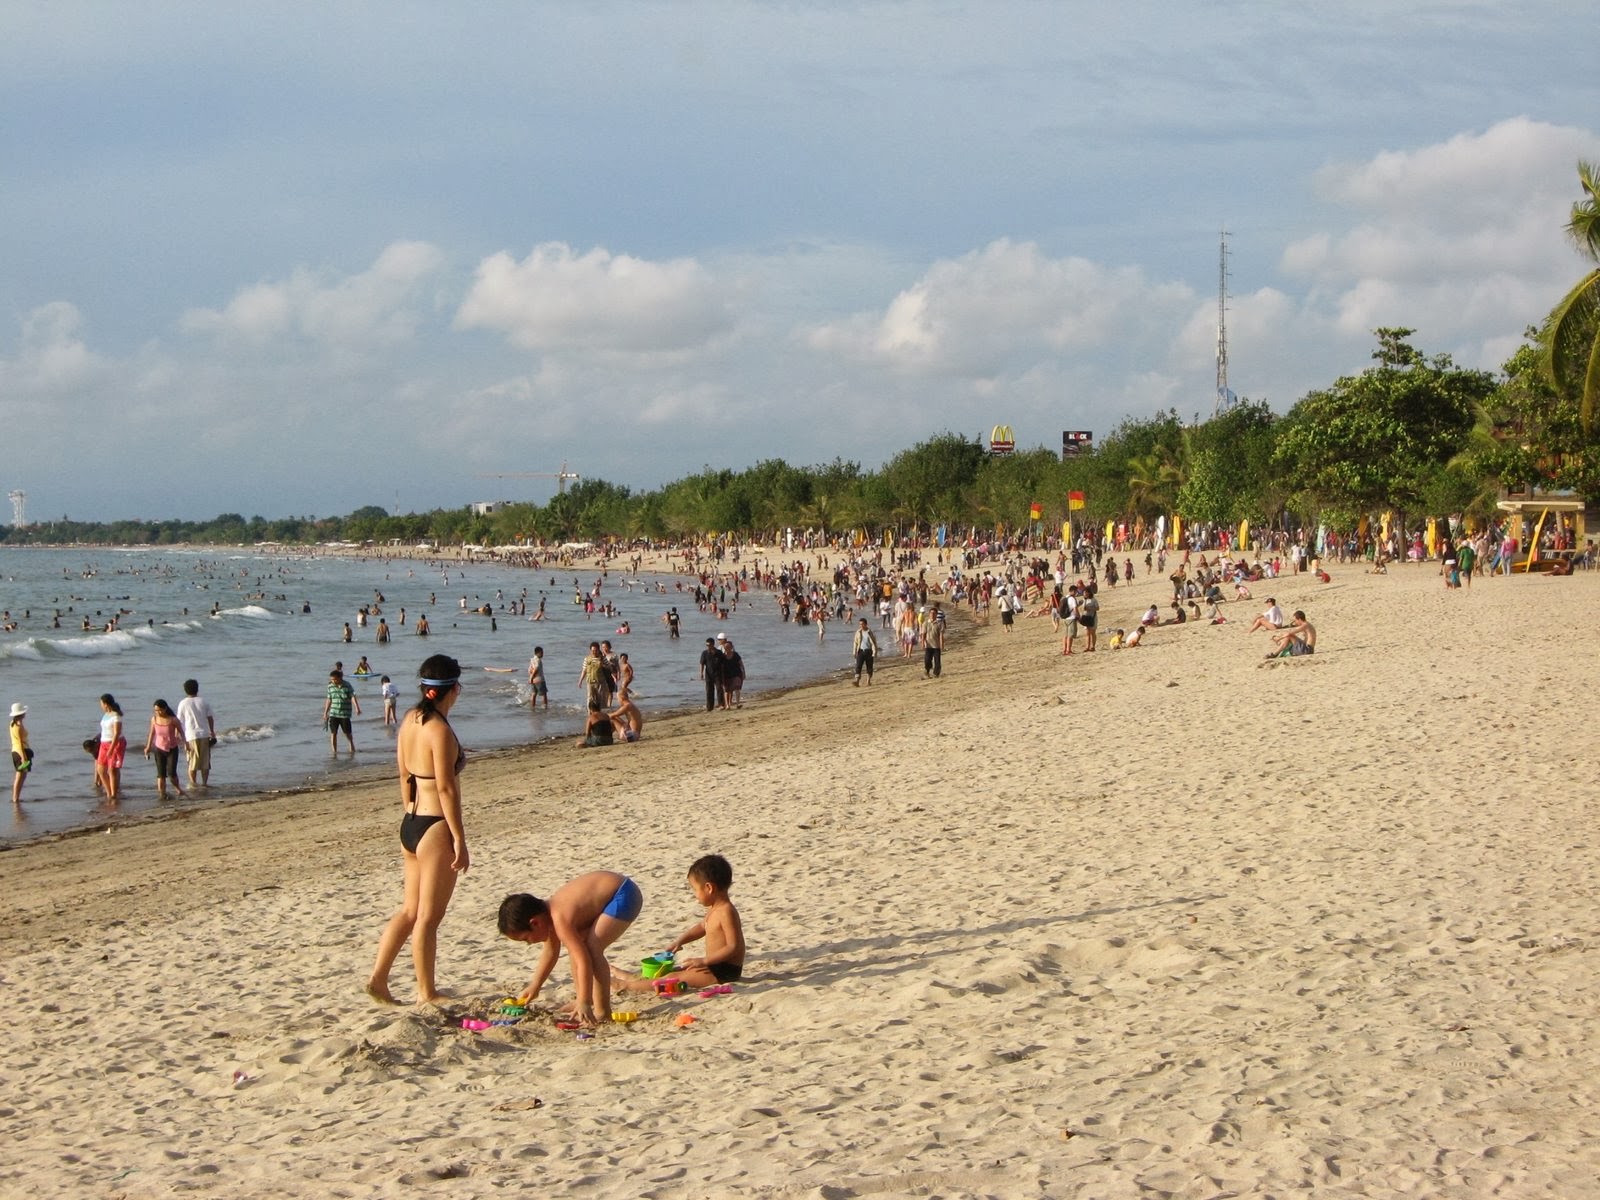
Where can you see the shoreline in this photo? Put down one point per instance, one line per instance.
(1176, 919)
(372, 775)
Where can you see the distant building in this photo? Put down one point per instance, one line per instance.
(487, 508)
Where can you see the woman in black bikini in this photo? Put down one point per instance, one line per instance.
(433, 840)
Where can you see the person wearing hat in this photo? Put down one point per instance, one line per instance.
(711, 664)
(21, 752)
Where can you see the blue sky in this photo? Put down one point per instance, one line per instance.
(296, 258)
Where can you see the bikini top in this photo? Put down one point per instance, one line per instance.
(412, 777)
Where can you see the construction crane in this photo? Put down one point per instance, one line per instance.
(560, 476)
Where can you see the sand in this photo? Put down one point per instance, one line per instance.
(1163, 922)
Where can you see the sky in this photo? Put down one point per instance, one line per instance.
(296, 258)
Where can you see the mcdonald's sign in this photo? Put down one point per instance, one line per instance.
(1001, 441)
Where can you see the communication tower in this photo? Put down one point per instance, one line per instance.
(1224, 399)
(19, 508)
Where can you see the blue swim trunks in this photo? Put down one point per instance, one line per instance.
(625, 905)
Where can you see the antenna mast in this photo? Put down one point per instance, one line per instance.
(1224, 396)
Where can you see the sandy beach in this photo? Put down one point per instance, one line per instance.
(1172, 921)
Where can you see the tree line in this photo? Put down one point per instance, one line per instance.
(1412, 433)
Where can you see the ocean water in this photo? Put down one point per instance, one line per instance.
(234, 621)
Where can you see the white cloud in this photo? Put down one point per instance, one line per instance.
(379, 306)
(1000, 308)
(1461, 240)
(52, 359)
(556, 300)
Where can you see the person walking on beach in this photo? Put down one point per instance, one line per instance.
(538, 685)
(595, 677)
(732, 676)
(865, 647)
(932, 643)
(711, 664)
(113, 748)
(199, 732)
(21, 752)
(336, 710)
(433, 838)
(165, 737)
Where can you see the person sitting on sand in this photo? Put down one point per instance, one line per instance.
(1272, 618)
(1299, 637)
(627, 722)
(710, 877)
(1152, 616)
(597, 728)
(1134, 638)
(585, 915)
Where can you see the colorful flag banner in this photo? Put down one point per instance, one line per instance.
(1074, 500)
(1035, 511)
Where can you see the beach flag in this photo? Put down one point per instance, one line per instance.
(1074, 500)
(1035, 511)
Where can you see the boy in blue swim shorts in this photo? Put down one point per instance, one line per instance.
(586, 915)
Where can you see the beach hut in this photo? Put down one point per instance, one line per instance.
(1527, 518)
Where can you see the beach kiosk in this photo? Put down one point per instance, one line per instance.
(1529, 515)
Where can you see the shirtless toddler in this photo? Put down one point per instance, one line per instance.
(709, 879)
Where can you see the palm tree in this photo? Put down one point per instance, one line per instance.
(1572, 331)
(1153, 482)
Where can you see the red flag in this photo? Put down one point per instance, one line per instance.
(1035, 511)
(1074, 500)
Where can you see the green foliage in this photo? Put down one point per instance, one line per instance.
(927, 481)
(1374, 440)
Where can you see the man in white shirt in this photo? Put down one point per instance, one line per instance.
(199, 731)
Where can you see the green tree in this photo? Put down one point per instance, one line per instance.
(1375, 440)
(925, 483)
(1572, 331)
(1229, 475)
(1529, 435)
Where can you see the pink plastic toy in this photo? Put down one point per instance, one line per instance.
(722, 989)
(471, 1023)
